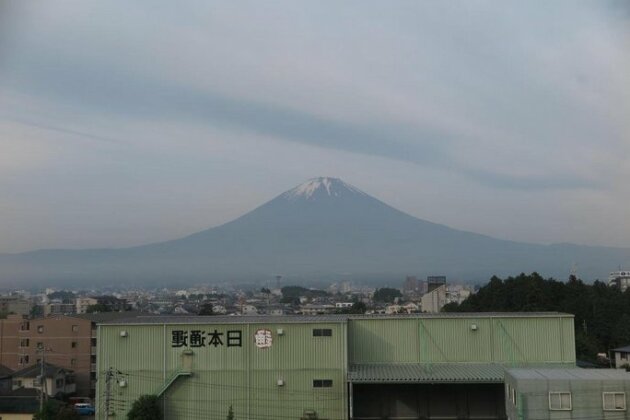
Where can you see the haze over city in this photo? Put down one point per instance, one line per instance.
(130, 123)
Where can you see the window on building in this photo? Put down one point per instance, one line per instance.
(74, 344)
(93, 358)
(25, 326)
(322, 383)
(322, 332)
(93, 342)
(93, 375)
(40, 329)
(24, 342)
(614, 401)
(75, 328)
(560, 401)
(17, 383)
(24, 360)
(35, 383)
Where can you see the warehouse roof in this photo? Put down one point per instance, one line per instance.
(449, 372)
(336, 318)
(569, 374)
(428, 373)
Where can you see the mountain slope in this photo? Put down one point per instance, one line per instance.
(322, 229)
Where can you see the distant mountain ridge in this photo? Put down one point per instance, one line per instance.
(323, 229)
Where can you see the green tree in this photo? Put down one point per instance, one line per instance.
(146, 407)
(67, 413)
(230, 415)
(621, 332)
(97, 308)
(206, 309)
(356, 308)
(386, 295)
(48, 411)
(56, 410)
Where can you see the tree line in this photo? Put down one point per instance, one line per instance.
(602, 312)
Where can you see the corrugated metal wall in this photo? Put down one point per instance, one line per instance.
(586, 399)
(244, 377)
(437, 340)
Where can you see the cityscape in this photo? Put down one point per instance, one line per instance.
(355, 210)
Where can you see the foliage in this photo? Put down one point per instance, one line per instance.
(67, 413)
(48, 411)
(265, 291)
(97, 308)
(56, 410)
(37, 311)
(386, 295)
(63, 295)
(146, 407)
(356, 308)
(206, 309)
(292, 293)
(230, 415)
(602, 313)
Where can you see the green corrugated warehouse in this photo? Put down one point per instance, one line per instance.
(325, 367)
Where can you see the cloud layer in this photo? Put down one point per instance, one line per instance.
(128, 123)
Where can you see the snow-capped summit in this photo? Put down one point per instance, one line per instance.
(321, 186)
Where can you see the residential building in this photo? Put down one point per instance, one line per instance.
(314, 309)
(59, 308)
(57, 381)
(69, 341)
(15, 305)
(621, 357)
(83, 303)
(434, 300)
(429, 366)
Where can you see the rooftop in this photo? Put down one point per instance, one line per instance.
(427, 373)
(34, 370)
(301, 319)
(569, 374)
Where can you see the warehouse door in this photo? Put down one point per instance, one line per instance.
(428, 402)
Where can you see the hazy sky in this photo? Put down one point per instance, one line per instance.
(123, 123)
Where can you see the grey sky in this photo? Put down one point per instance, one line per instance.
(124, 123)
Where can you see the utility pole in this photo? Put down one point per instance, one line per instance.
(42, 378)
(108, 390)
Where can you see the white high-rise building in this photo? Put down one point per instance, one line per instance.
(620, 279)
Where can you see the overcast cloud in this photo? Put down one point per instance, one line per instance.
(123, 123)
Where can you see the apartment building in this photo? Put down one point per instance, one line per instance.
(68, 342)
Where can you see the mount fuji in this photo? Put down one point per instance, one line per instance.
(323, 229)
